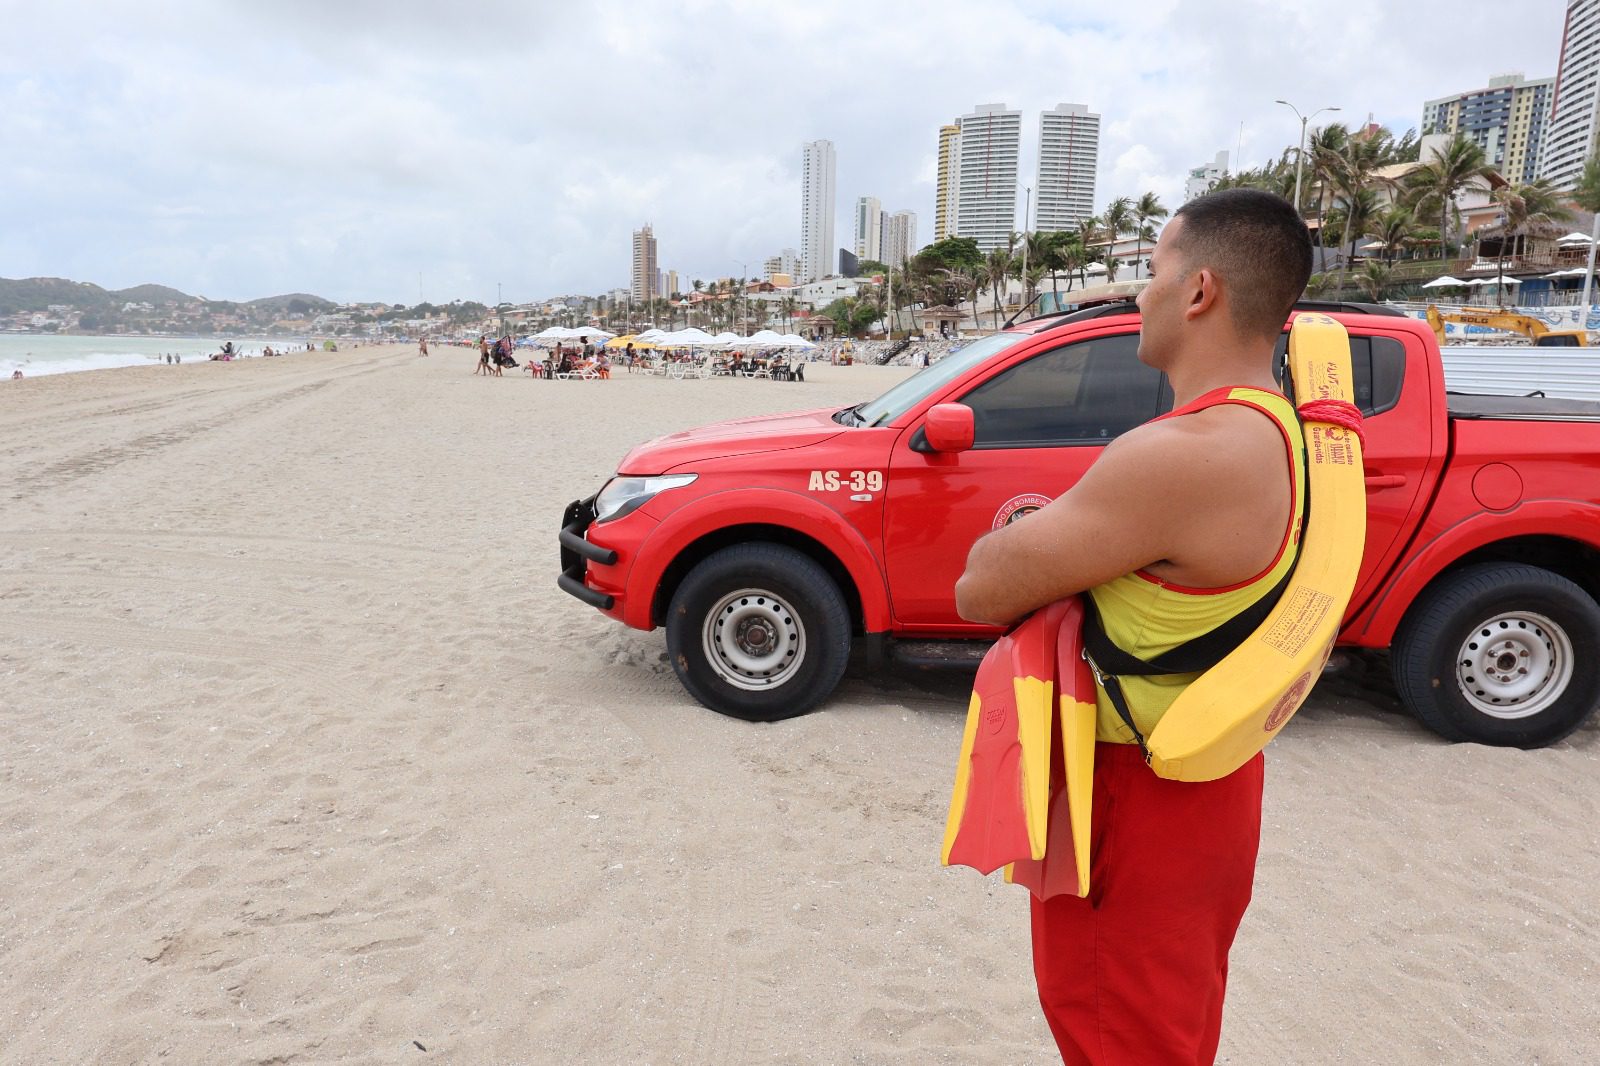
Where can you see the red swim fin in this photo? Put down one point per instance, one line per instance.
(999, 807)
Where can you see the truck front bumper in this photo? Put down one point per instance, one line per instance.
(577, 553)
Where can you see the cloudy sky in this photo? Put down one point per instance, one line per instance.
(364, 150)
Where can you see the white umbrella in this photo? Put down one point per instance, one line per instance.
(725, 339)
(1447, 282)
(794, 340)
(1501, 280)
(1373, 246)
(651, 334)
(553, 333)
(590, 332)
(765, 339)
(1576, 238)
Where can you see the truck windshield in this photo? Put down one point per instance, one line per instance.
(924, 383)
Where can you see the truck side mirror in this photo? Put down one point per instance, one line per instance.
(950, 427)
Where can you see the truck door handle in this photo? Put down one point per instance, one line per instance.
(1385, 481)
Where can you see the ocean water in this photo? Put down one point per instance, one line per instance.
(42, 353)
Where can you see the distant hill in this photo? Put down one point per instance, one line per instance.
(152, 294)
(37, 294)
(295, 302)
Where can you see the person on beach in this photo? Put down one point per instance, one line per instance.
(483, 357)
(422, 346)
(1180, 524)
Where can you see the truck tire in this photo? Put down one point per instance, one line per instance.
(1500, 653)
(758, 632)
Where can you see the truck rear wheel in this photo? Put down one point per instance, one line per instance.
(1500, 653)
(758, 632)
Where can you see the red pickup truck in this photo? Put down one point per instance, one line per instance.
(768, 546)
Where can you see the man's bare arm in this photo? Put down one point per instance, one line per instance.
(1127, 512)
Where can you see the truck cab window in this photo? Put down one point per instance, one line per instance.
(1084, 393)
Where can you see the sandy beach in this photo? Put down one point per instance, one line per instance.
(305, 758)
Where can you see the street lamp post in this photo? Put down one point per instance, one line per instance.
(1027, 221)
(1300, 158)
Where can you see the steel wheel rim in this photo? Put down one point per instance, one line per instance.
(754, 640)
(1514, 665)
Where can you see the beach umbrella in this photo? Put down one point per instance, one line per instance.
(794, 340)
(1447, 282)
(725, 339)
(1575, 238)
(552, 333)
(1372, 246)
(764, 339)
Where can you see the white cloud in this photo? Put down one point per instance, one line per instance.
(241, 149)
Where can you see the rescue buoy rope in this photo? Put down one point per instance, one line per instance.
(1335, 413)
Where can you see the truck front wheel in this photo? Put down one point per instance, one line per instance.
(1500, 653)
(758, 632)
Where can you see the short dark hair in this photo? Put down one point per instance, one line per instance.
(1260, 247)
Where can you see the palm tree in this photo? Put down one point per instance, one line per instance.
(1116, 220)
(1374, 279)
(1395, 226)
(1145, 209)
(1353, 177)
(1441, 179)
(1525, 204)
(1087, 233)
(996, 269)
(1325, 155)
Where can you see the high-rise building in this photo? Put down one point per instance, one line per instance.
(670, 285)
(944, 202)
(1201, 179)
(816, 209)
(1506, 120)
(899, 238)
(869, 228)
(986, 177)
(849, 264)
(1571, 131)
(644, 265)
(1069, 152)
(786, 262)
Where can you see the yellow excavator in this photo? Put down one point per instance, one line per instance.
(1541, 335)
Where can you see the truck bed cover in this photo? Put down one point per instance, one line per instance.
(1522, 408)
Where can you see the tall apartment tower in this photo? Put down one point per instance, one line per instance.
(1069, 152)
(1570, 133)
(644, 265)
(1201, 179)
(869, 228)
(986, 175)
(944, 203)
(899, 238)
(816, 209)
(785, 263)
(1506, 120)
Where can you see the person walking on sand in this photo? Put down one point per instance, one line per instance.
(483, 357)
(422, 346)
(1180, 524)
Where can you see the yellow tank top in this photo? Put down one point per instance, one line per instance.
(1145, 616)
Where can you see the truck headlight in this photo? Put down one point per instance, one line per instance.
(624, 495)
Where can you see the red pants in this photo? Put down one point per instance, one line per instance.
(1135, 973)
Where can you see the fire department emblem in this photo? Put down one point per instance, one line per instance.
(1017, 507)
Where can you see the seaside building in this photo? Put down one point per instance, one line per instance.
(899, 238)
(1507, 120)
(670, 283)
(1201, 179)
(816, 209)
(869, 228)
(944, 200)
(785, 262)
(849, 264)
(1069, 153)
(1570, 132)
(986, 175)
(644, 265)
